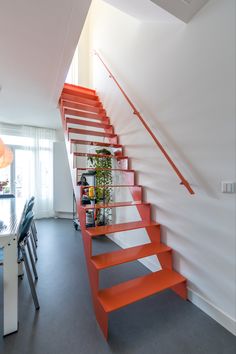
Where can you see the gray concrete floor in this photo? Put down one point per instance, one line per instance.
(65, 324)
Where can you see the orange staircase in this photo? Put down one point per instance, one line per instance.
(81, 107)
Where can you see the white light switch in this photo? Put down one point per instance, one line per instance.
(228, 187)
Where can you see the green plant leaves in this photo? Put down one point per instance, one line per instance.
(103, 166)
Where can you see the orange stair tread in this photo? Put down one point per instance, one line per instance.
(114, 186)
(79, 99)
(102, 169)
(94, 143)
(83, 113)
(107, 260)
(78, 88)
(88, 95)
(88, 123)
(81, 107)
(83, 101)
(113, 205)
(109, 229)
(137, 289)
(90, 132)
(86, 154)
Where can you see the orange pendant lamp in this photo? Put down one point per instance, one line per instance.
(6, 155)
(2, 147)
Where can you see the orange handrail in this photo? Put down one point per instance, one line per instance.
(135, 111)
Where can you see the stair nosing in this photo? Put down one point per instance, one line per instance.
(85, 154)
(106, 169)
(156, 249)
(122, 226)
(85, 123)
(96, 143)
(114, 205)
(91, 132)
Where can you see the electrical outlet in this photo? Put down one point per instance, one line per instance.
(228, 187)
(187, 2)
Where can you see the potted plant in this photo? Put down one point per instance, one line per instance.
(102, 166)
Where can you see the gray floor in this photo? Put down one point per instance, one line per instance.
(65, 324)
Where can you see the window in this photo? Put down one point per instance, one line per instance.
(31, 172)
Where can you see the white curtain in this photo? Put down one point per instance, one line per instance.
(33, 164)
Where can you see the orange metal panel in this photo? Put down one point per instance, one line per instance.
(90, 124)
(116, 205)
(109, 229)
(90, 96)
(111, 259)
(79, 88)
(94, 143)
(94, 103)
(136, 289)
(83, 107)
(85, 154)
(74, 112)
(91, 132)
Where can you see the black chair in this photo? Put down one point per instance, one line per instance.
(23, 244)
(33, 223)
(33, 237)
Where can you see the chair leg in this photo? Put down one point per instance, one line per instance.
(32, 260)
(34, 235)
(30, 279)
(33, 246)
(35, 231)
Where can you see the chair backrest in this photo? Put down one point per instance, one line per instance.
(26, 226)
(31, 199)
(29, 204)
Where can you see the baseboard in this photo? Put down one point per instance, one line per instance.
(214, 312)
(63, 215)
(211, 310)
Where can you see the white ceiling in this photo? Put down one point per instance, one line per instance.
(37, 42)
(183, 9)
(144, 10)
(166, 11)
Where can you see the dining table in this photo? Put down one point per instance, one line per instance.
(10, 217)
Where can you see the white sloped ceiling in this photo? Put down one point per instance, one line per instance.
(37, 42)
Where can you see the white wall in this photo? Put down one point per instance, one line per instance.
(182, 78)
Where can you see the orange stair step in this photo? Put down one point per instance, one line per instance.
(85, 154)
(90, 115)
(78, 99)
(94, 143)
(78, 88)
(89, 95)
(104, 169)
(82, 107)
(127, 226)
(111, 259)
(113, 205)
(137, 289)
(90, 132)
(113, 186)
(88, 123)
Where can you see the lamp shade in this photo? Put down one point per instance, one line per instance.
(2, 147)
(6, 158)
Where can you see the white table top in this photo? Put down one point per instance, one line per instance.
(10, 216)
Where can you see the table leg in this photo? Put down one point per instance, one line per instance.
(10, 288)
